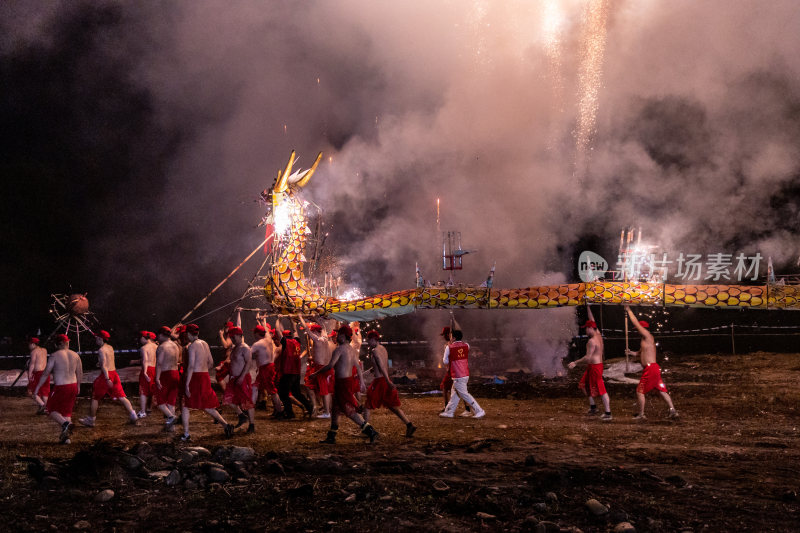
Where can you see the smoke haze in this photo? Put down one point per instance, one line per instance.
(147, 130)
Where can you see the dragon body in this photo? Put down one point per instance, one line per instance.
(288, 291)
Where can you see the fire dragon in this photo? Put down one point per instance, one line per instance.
(288, 291)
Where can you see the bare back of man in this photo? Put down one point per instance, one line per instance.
(36, 366)
(147, 354)
(382, 392)
(167, 378)
(198, 392)
(67, 371)
(107, 384)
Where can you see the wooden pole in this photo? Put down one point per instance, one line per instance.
(627, 358)
(733, 341)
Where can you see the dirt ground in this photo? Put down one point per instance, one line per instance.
(730, 463)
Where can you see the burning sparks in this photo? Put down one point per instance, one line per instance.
(352, 294)
(590, 76)
(553, 23)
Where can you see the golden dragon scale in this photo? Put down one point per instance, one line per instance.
(288, 292)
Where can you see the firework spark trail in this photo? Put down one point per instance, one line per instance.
(552, 28)
(590, 77)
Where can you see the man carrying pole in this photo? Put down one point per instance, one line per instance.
(651, 375)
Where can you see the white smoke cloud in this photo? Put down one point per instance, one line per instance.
(696, 132)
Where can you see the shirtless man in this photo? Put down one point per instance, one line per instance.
(198, 393)
(107, 382)
(67, 370)
(167, 378)
(147, 353)
(239, 393)
(342, 361)
(36, 366)
(382, 392)
(456, 355)
(591, 382)
(263, 351)
(651, 375)
(320, 356)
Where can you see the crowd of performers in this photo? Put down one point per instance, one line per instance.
(175, 366)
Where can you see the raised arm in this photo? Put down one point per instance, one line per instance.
(642, 331)
(589, 312)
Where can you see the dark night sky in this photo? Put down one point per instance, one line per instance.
(136, 137)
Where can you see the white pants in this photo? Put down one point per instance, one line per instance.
(459, 391)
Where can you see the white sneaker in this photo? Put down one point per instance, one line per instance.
(466, 413)
(324, 415)
(480, 414)
(141, 414)
(445, 414)
(87, 421)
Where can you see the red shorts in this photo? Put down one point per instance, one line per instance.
(447, 381)
(202, 396)
(62, 401)
(240, 395)
(380, 393)
(101, 388)
(44, 392)
(265, 380)
(224, 371)
(320, 384)
(592, 381)
(147, 388)
(355, 384)
(170, 381)
(651, 379)
(343, 399)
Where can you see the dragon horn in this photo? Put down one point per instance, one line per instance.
(283, 178)
(307, 176)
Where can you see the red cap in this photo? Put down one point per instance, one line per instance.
(334, 333)
(165, 330)
(235, 330)
(151, 335)
(346, 331)
(644, 323)
(315, 327)
(287, 333)
(445, 331)
(373, 334)
(103, 334)
(590, 324)
(61, 338)
(145, 334)
(228, 325)
(194, 329)
(260, 330)
(33, 340)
